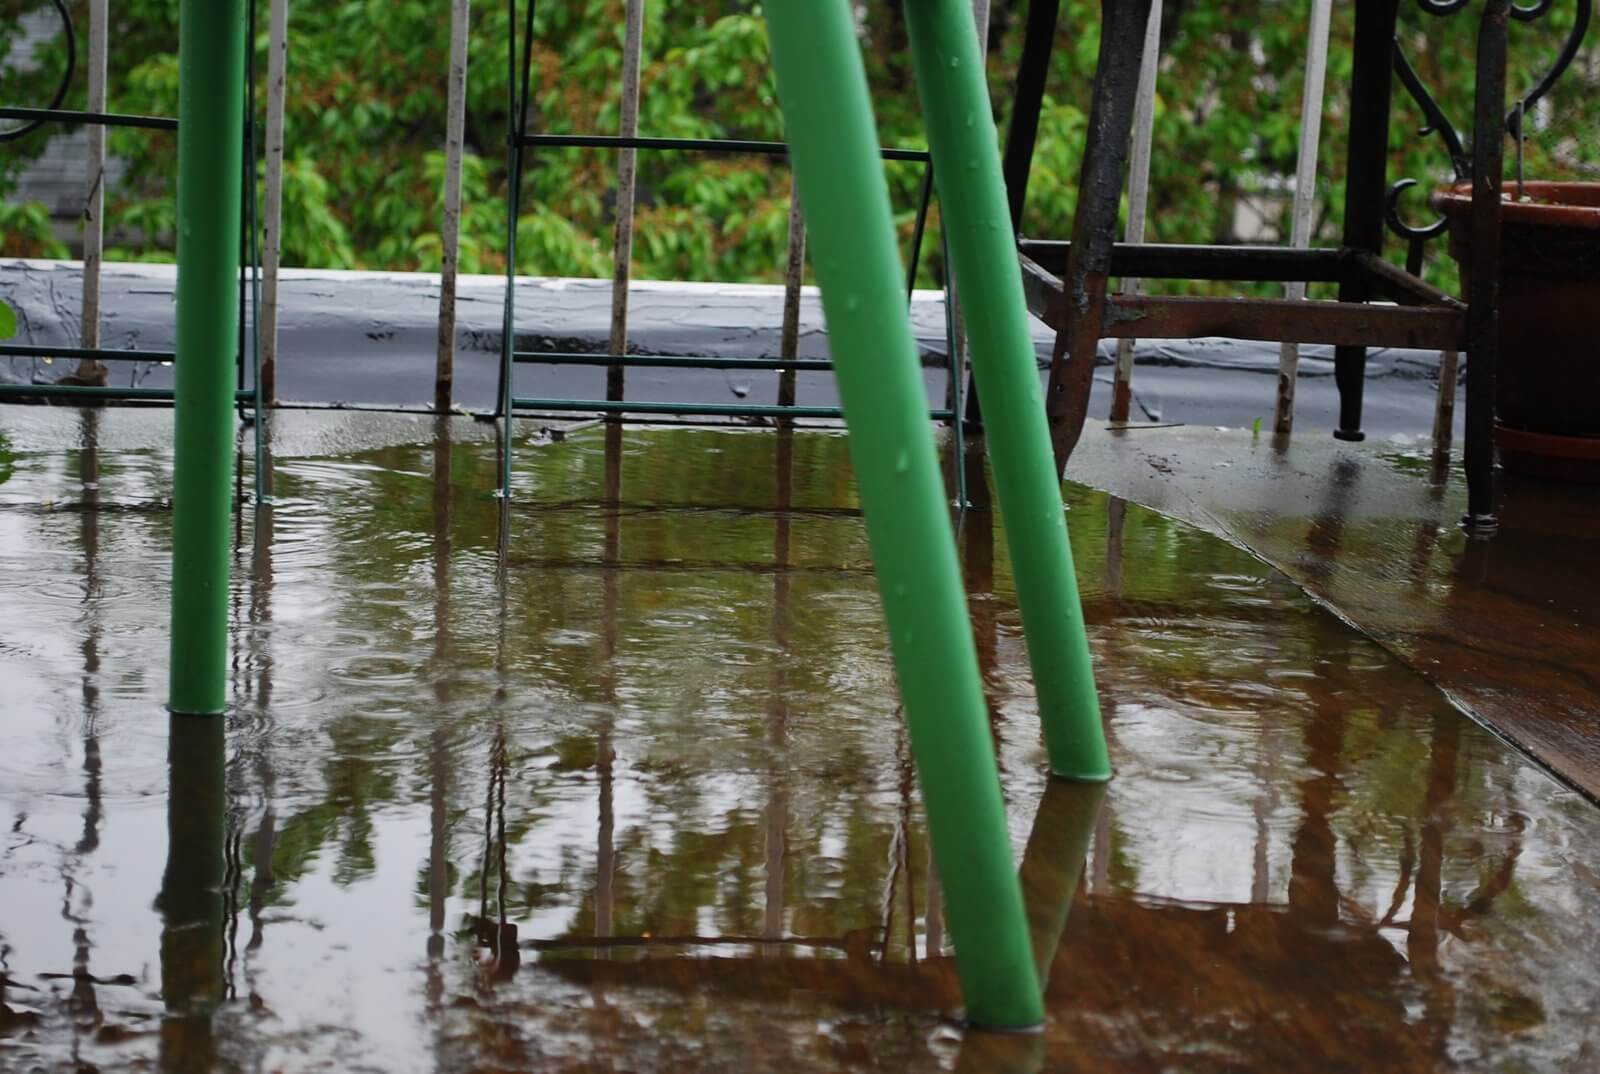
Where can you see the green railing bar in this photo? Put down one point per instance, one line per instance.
(30, 350)
(827, 111)
(669, 361)
(754, 410)
(210, 175)
(950, 79)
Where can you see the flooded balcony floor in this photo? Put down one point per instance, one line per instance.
(643, 801)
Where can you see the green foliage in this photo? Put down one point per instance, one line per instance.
(8, 321)
(365, 128)
(25, 231)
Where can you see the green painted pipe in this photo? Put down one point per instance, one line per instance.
(833, 144)
(210, 152)
(966, 161)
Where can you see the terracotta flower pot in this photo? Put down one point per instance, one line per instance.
(1548, 393)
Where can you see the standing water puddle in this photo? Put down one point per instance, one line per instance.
(648, 805)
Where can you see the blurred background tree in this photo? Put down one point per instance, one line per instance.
(365, 128)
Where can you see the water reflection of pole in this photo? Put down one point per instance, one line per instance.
(975, 528)
(1116, 522)
(500, 935)
(1099, 879)
(190, 901)
(262, 877)
(1261, 809)
(778, 702)
(1326, 535)
(504, 955)
(1052, 863)
(1313, 880)
(438, 757)
(84, 1002)
(1422, 935)
(605, 752)
(262, 579)
(89, 532)
(1052, 868)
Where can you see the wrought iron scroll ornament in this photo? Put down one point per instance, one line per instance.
(1438, 123)
(66, 77)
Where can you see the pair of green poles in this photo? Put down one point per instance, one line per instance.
(833, 145)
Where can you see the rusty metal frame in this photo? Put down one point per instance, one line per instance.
(1067, 283)
(1424, 317)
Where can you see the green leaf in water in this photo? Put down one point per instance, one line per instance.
(8, 321)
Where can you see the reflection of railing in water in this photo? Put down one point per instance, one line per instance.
(1101, 914)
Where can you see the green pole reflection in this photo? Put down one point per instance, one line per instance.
(190, 902)
(1052, 863)
(1052, 866)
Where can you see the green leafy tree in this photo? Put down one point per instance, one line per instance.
(365, 128)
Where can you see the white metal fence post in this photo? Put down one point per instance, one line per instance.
(450, 226)
(627, 172)
(1305, 189)
(1144, 118)
(272, 209)
(91, 370)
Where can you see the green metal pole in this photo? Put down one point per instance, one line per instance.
(833, 143)
(966, 160)
(210, 148)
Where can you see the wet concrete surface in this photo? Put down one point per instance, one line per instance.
(640, 800)
(1507, 625)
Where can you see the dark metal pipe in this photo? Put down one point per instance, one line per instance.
(1116, 83)
(917, 233)
(1188, 261)
(1365, 200)
(1038, 42)
(100, 354)
(735, 410)
(670, 361)
(85, 391)
(691, 145)
(1483, 285)
(73, 117)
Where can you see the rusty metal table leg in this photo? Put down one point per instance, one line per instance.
(1483, 294)
(1105, 151)
(1370, 83)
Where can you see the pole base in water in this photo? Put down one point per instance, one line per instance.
(1082, 777)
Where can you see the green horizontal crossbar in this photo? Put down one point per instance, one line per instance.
(669, 361)
(726, 409)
